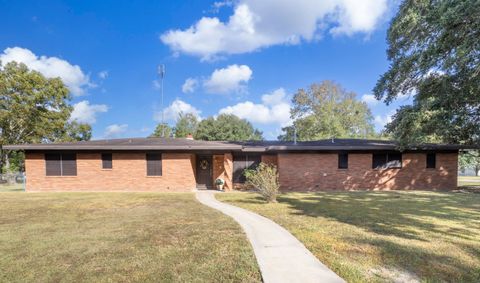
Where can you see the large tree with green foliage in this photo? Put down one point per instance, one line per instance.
(227, 127)
(434, 49)
(186, 124)
(327, 110)
(34, 109)
(162, 129)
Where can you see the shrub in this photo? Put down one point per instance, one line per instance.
(265, 180)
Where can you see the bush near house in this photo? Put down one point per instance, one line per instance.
(264, 179)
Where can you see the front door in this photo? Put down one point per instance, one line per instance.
(204, 171)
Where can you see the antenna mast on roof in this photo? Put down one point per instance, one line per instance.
(294, 134)
(161, 74)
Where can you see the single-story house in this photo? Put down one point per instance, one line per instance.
(174, 164)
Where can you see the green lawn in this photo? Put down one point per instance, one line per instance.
(382, 236)
(119, 237)
(472, 181)
(11, 188)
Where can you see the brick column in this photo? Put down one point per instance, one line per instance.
(228, 171)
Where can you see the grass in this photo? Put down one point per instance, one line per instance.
(119, 237)
(11, 188)
(382, 236)
(469, 181)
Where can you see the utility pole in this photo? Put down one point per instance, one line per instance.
(161, 74)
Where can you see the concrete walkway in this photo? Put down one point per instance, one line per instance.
(280, 256)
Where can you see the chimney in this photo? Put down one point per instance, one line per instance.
(189, 137)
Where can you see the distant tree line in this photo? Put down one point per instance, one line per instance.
(224, 127)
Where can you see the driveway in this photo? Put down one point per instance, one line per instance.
(280, 256)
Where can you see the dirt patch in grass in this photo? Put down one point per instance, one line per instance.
(375, 236)
(119, 237)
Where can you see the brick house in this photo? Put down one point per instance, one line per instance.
(155, 164)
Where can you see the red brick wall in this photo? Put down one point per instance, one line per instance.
(128, 174)
(310, 172)
(218, 167)
(228, 173)
(269, 159)
(223, 169)
(297, 172)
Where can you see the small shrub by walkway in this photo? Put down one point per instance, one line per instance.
(382, 236)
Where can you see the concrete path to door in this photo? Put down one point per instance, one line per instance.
(280, 256)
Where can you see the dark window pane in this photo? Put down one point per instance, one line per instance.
(106, 160)
(342, 160)
(394, 160)
(69, 164)
(253, 161)
(431, 160)
(242, 162)
(154, 164)
(379, 160)
(239, 165)
(53, 164)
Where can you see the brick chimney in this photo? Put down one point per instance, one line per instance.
(189, 137)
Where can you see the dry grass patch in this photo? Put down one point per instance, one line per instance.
(382, 236)
(119, 237)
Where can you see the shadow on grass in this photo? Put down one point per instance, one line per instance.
(424, 263)
(393, 213)
(403, 227)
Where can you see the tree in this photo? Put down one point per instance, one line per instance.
(186, 124)
(434, 49)
(326, 110)
(75, 131)
(227, 127)
(32, 108)
(167, 131)
(470, 159)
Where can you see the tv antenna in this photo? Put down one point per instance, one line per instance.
(161, 74)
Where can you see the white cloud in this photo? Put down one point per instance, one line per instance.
(103, 74)
(274, 109)
(189, 85)
(255, 24)
(51, 67)
(115, 130)
(369, 99)
(83, 112)
(178, 106)
(233, 78)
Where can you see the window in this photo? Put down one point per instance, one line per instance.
(387, 160)
(343, 161)
(431, 160)
(107, 161)
(154, 164)
(61, 164)
(242, 162)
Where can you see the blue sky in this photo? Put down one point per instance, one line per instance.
(244, 57)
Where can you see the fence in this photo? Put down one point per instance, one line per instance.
(12, 182)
